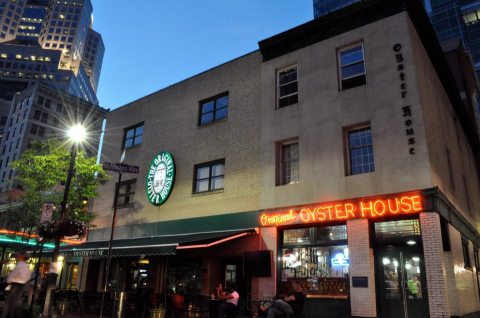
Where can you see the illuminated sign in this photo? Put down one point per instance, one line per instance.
(160, 178)
(340, 260)
(366, 208)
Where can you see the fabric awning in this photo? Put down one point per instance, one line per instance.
(153, 245)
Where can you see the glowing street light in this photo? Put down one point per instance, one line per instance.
(76, 134)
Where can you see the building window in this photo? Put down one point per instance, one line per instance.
(126, 193)
(466, 255)
(41, 131)
(213, 109)
(287, 162)
(360, 151)
(287, 87)
(209, 176)
(318, 257)
(37, 115)
(33, 129)
(351, 64)
(133, 136)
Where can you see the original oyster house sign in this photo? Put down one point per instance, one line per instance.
(160, 178)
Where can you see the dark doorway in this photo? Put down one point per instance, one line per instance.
(401, 282)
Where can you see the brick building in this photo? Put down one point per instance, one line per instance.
(340, 155)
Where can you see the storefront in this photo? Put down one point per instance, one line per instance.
(191, 264)
(339, 262)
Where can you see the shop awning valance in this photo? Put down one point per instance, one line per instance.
(153, 245)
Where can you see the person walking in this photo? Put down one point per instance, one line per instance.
(17, 279)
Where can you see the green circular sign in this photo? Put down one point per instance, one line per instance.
(160, 178)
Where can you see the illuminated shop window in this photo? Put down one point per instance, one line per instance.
(209, 176)
(318, 258)
(351, 64)
(287, 87)
(213, 109)
(126, 193)
(288, 163)
(133, 136)
(397, 229)
(360, 151)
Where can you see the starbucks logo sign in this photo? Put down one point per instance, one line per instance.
(160, 178)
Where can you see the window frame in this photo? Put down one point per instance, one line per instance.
(214, 110)
(280, 175)
(467, 261)
(210, 165)
(118, 185)
(125, 132)
(278, 85)
(340, 66)
(347, 150)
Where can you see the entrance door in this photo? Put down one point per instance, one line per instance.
(401, 282)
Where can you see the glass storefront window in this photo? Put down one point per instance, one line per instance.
(399, 228)
(295, 236)
(322, 270)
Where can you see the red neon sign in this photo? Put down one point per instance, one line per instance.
(369, 208)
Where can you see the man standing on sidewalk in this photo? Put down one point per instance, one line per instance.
(17, 280)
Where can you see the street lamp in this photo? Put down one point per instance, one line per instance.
(76, 135)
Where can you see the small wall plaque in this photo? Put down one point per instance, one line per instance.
(360, 281)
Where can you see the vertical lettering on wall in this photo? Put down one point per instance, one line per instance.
(406, 109)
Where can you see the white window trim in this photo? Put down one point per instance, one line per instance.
(340, 66)
(278, 97)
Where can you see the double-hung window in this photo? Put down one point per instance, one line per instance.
(351, 64)
(209, 176)
(287, 87)
(360, 151)
(288, 163)
(126, 193)
(213, 109)
(133, 136)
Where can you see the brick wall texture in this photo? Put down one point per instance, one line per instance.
(361, 264)
(264, 287)
(434, 265)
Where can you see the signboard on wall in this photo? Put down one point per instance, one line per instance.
(160, 178)
(380, 207)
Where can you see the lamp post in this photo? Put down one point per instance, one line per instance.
(76, 134)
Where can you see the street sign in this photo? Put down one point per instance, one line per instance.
(47, 212)
(120, 167)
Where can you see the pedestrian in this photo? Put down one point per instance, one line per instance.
(290, 304)
(17, 280)
(229, 307)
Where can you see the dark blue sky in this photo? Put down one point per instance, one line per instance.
(151, 44)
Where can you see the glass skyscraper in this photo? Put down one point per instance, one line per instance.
(322, 7)
(49, 41)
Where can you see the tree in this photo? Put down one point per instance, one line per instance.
(40, 173)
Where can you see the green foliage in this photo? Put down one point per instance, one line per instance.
(41, 171)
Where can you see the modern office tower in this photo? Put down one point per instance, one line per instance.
(93, 56)
(32, 21)
(322, 7)
(10, 13)
(50, 42)
(457, 19)
(42, 112)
